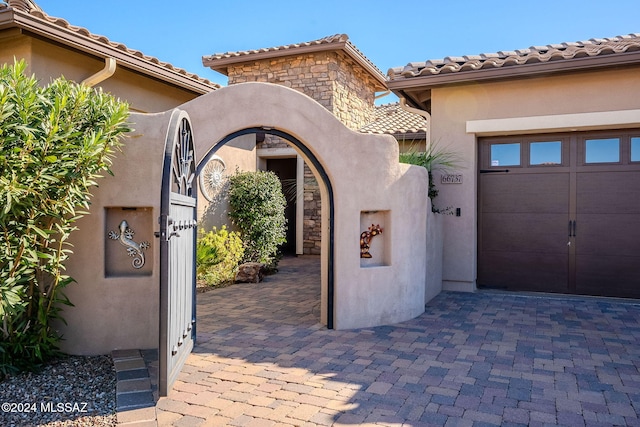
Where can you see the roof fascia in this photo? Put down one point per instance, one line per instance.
(409, 135)
(7, 18)
(63, 36)
(221, 64)
(517, 71)
(355, 55)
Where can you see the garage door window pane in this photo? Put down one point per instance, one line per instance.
(545, 153)
(635, 149)
(505, 154)
(602, 150)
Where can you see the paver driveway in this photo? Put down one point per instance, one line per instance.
(262, 359)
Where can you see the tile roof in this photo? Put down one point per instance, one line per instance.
(534, 55)
(392, 119)
(337, 38)
(220, 61)
(31, 9)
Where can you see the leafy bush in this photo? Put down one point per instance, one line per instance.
(218, 254)
(54, 143)
(256, 207)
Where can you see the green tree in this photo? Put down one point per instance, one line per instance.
(256, 208)
(55, 141)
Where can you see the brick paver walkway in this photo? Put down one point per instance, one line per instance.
(483, 359)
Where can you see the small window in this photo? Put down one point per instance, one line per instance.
(545, 153)
(505, 154)
(635, 149)
(602, 150)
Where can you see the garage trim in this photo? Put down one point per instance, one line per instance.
(555, 123)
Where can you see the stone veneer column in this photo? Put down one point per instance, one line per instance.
(335, 81)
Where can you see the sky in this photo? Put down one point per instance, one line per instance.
(389, 33)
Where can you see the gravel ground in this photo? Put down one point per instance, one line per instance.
(74, 391)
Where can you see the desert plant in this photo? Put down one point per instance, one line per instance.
(256, 208)
(54, 143)
(218, 253)
(435, 158)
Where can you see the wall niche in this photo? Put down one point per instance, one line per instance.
(375, 238)
(129, 241)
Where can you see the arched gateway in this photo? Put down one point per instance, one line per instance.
(368, 279)
(361, 183)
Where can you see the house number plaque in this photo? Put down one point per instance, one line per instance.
(451, 179)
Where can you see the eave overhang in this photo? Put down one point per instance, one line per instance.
(221, 63)
(417, 89)
(133, 60)
(517, 71)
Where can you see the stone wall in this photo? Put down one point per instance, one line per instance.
(312, 214)
(335, 81)
(331, 78)
(354, 93)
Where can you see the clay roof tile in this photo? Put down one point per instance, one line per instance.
(393, 120)
(32, 9)
(566, 51)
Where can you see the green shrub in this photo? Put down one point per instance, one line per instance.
(256, 207)
(54, 143)
(435, 158)
(218, 254)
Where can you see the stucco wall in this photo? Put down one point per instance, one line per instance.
(121, 310)
(435, 246)
(15, 47)
(49, 61)
(365, 175)
(238, 154)
(118, 311)
(453, 107)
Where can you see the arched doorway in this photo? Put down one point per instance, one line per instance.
(327, 272)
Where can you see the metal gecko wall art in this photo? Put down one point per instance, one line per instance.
(365, 239)
(125, 236)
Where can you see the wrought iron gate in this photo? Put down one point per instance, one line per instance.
(177, 251)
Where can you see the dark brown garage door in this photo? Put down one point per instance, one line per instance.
(561, 213)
